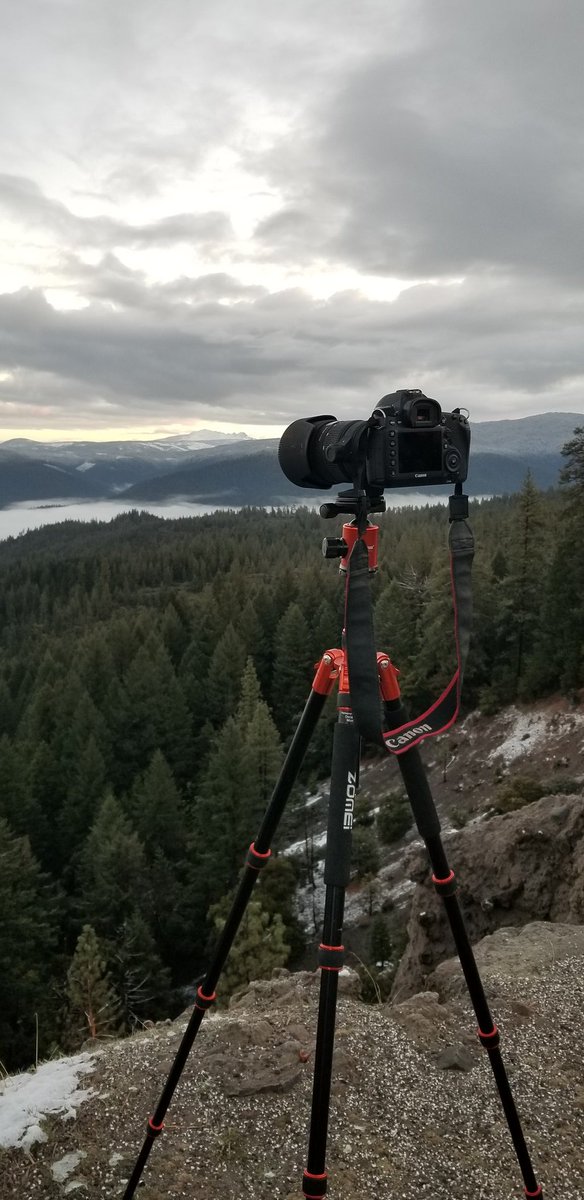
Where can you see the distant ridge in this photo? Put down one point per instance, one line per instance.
(542, 434)
(237, 470)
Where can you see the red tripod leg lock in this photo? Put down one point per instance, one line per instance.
(204, 1001)
(154, 1130)
(314, 1186)
(255, 860)
(534, 1195)
(445, 887)
(331, 958)
(490, 1041)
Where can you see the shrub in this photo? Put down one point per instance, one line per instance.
(365, 852)
(516, 792)
(568, 786)
(394, 818)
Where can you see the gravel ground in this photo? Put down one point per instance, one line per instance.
(401, 1127)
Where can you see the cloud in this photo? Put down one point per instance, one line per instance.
(187, 175)
(276, 356)
(23, 200)
(455, 157)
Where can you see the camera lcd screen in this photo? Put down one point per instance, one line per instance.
(419, 451)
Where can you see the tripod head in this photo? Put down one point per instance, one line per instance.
(359, 504)
(354, 501)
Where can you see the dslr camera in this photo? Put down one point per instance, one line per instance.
(407, 442)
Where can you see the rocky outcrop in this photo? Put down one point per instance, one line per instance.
(513, 869)
(414, 1110)
(248, 1056)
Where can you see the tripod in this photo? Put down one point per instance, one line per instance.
(333, 670)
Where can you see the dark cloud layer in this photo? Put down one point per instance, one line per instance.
(440, 143)
(24, 200)
(136, 350)
(461, 155)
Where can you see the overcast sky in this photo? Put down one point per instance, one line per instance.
(237, 213)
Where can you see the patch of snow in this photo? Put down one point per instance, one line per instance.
(315, 842)
(524, 727)
(312, 800)
(54, 467)
(85, 466)
(65, 1167)
(25, 1100)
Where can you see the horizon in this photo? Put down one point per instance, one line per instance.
(65, 437)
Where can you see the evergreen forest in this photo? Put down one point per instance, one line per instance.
(151, 676)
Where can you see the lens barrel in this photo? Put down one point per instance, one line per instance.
(294, 451)
(319, 452)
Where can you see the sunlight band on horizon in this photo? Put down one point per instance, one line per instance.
(139, 433)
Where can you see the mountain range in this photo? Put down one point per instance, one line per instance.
(211, 467)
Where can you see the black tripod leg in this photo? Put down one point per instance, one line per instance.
(344, 782)
(424, 810)
(258, 855)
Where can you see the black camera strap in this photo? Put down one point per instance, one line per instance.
(361, 653)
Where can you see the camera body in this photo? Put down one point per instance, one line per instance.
(414, 443)
(407, 442)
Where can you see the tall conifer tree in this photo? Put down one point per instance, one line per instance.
(93, 1006)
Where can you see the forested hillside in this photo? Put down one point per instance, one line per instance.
(151, 673)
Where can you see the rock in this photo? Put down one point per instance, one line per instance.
(284, 990)
(429, 1024)
(512, 954)
(513, 869)
(264, 1081)
(349, 983)
(456, 1058)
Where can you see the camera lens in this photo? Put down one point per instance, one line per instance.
(318, 452)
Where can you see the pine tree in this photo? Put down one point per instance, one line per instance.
(521, 590)
(249, 628)
(222, 843)
(93, 1006)
(157, 811)
(47, 789)
(7, 709)
(142, 982)
(249, 698)
(28, 940)
(223, 685)
(259, 948)
(379, 942)
(112, 874)
(399, 624)
(86, 784)
(96, 667)
(261, 758)
(572, 475)
(175, 634)
(293, 662)
(365, 851)
(152, 715)
(278, 883)
(435, 661)
(180, 901)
